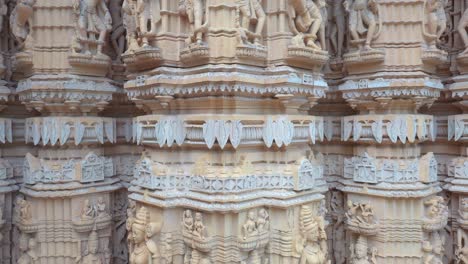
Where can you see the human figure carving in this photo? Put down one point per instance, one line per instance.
(143, 250)
(28, 250)
(251, 10)
(92, 255)
(362, 20)
(462, 25)
(337, 27)
(21, 23)
(199, 229)
(149, 15)
(313, 246)
(187, 221)
(263, 220)
(130, 24)
(435, 20)
(118, 30)
(359, 252)
(25, 211)
(249, 229)
(305, 21)
(87, 210)
(93, 19)
(194, 11)
(101, 208)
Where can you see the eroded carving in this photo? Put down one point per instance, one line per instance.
(313, 244)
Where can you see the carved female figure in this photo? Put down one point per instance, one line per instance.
(130, 24)
(199, 228)
(337, 27)
(263, 221)
(249, 228)
(187, 221)
(362, 19)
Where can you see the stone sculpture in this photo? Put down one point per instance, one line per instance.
(92, 256)
(28, 250)
(143, 249)
(462, 25)
(313, 246)
(436, 20)
(305, 20)
(360, 254)
(248, 11)
(21, 23)
(337, 28)
(194, 10)
(117, 35)
(149, 15)
(363, 21)
(93, 24)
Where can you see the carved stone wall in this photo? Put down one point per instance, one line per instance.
(233, 131)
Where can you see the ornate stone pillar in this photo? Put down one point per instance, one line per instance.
(65, 211)
(227, 174)
(392, 212)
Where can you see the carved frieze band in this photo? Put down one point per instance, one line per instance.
(457, 127)
(60, 130)
(213, 79)
(91, 168)
(196, 130)
(156, 176)
(368, 169)
(380, 87)
(379, 128)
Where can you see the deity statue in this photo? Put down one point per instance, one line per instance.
(462, 25)
(463, 209)
(194, 11)
(337, 28)
(363, 16)
(94, 19)
(143, 250)
(359, 252)
(130, 24)
(187, 221)
(248, 11)
(336, 206)
(305, 20)
(199, 229)
(25, 215)
(92, 256)
(435, 20)
(313, 245)
(263, 220)
(249, 229)
(437, 209)
(87, 210)
(101, 208)
(21, 22)
(28, 250)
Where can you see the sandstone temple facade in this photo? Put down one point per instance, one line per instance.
(233, 131)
